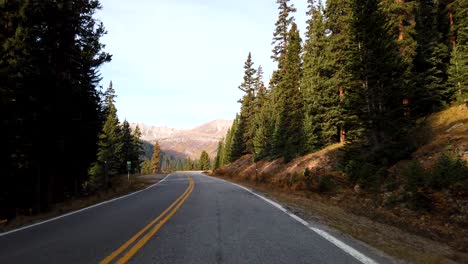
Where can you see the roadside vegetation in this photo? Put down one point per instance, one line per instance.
(369, 112)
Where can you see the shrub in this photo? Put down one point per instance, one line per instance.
(293, 178)
(325, 184)
(391, 183)
(367, 177)
(419, 200)
(415, 176)
(352, 170)
(308, 176)
(447, 171)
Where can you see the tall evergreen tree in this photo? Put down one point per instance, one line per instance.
(218, 162)
(145, 167)
(288, 134)
(156, 159)
(402, 23)
(338, 17)
(401, 19)
(236, 146)
(204, 162)
(323, 110)
(459, 59)
(375, 98)
(280, 36)
(246, 116)
(188, 164)
(137, 150)
(228, 144)
(109, 157)
(432, 57)
(263, 124)
(126, 139)
(109, 97)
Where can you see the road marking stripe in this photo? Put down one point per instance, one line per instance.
(340, 244)
(149, 235)
(117, 252)
(81, 210)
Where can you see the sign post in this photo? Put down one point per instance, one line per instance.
(129, 167)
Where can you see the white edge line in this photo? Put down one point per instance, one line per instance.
(340, 244)
(80, 210)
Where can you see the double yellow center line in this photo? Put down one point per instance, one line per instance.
(157, 223)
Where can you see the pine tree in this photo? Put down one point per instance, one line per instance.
(188, 164)
(233, 142)
(109, 97)
(402, 23)
(375, 98)
(228, 145)
(218, 162)
(322, 102)
(126, 139)
(179, 165)
(280, 36)
(401, 19)
(432, 57)
(137, 150)
(288, 134)
(109, 157)
(459, 59)
(263, 124)
(338, 17)
(237, 141)
(155, 160)
(246, 116)
(204, 162)
(146, 167)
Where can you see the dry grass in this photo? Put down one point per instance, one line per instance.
(279, 173)
(445, 131)
(120, 186)
(441, 121)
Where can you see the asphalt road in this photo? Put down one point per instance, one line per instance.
(186, 218)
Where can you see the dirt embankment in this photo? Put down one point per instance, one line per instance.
(314, 185)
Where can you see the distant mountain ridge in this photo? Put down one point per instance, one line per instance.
(186, 142)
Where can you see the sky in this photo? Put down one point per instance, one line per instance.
(178, 63)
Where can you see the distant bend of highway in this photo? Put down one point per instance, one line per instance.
(186, 218)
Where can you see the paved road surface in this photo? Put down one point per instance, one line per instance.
(186, 218)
